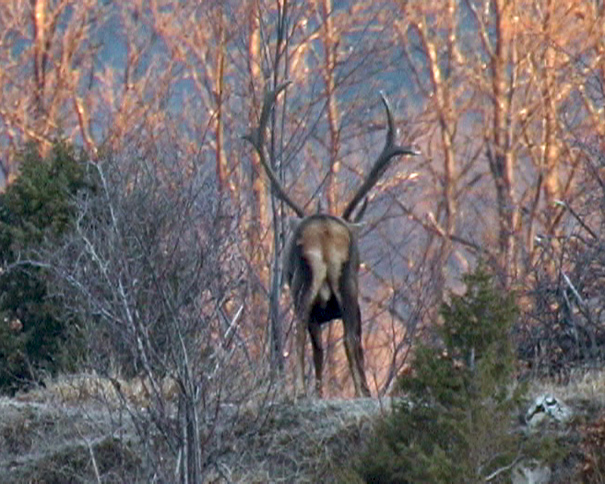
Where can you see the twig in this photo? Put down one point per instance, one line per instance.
(561, 203)
(93, 459)
(572, 287)
(506, 468)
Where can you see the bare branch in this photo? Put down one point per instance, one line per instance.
(561, 203)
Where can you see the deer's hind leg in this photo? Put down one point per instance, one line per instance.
(318, 356)
(351, 318)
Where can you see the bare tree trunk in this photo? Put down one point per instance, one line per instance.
(191, 449)
(501, 156)
(222, 174)
(275, 322)
(329, 41)
(42, 43)
(447, 118)
(330, 48)
(259, 201)
(552, 189)
(40, 54)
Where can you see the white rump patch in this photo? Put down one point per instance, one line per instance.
(319, 269)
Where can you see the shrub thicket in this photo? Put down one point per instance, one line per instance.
(34, 210)
(593, 448)
(455, 421)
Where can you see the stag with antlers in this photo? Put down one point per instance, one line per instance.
(321, 259)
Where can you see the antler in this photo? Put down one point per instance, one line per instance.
(389, 151)
(257, 138)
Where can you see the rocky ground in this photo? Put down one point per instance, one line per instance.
(66, 433)
(58, 436)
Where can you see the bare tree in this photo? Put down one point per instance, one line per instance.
(148, 268)
(563, 326)
(45, 61)
(444, 75)
(496, 100)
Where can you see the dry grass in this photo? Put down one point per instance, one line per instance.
(593, 448)
(114, 392)
(310, 442)
(43, 443)
(75, 427)
(581, 386)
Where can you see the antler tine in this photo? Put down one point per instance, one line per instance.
(362, 211)
(390, 150)
(390, 138)
(257, 138)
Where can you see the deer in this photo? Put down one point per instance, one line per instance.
(321, 260)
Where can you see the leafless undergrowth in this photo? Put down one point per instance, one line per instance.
(154, 272)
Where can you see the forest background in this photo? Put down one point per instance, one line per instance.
(504, 98)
